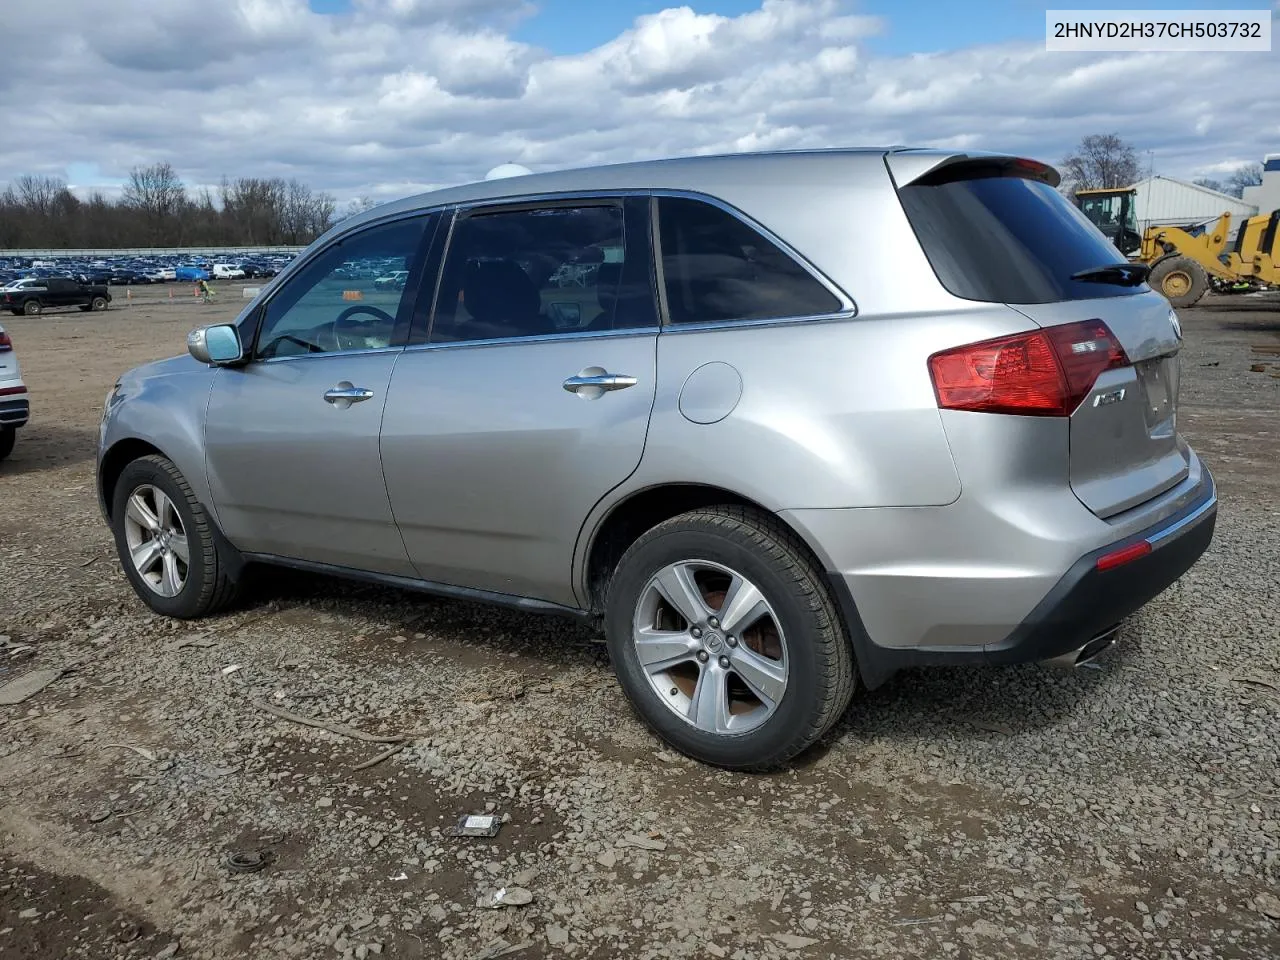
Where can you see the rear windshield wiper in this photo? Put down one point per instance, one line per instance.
(1121, 274)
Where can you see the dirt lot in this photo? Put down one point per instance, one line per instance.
(1127, 811)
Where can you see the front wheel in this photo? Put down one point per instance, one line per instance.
(1182, 281)
(166, 542)
(98, 304)
(725, 639)
(31, 308)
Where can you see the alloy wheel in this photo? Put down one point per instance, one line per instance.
(711, 646)
(157, 540)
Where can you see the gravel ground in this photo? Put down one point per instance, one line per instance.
(1132, 810)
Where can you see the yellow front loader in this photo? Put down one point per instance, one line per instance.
(1185, 265)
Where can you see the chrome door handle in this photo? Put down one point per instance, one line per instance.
(603, 381)
(346, 392)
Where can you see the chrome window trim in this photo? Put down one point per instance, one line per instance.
(331, 353)
(540, 338)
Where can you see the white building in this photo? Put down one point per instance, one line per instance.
(1266, 195)
(1166, 201)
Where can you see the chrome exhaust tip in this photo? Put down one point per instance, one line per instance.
(1086, 653)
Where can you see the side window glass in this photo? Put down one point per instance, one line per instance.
(347, 298)
(717, 268)
(527, 273)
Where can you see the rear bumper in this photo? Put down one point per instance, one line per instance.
(1076, 607)
(15, 409)
(1088, 600)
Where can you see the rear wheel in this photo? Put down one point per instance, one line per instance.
(1182, 281)
(8, 437)
(725, 640)
(166, 542)
(31, 308)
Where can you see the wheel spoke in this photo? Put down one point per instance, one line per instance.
(743, 605)
(766, 678)
(172, 581)
(709, 705)
(140, 513)
(145, 555)
(178, 544)
(164, 510)
(677, 587)
(660, 650)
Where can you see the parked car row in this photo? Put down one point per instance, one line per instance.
(128, 271)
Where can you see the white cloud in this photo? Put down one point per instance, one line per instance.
(403, 94)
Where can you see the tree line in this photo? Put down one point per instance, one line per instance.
(1107, 161)
(156, 209)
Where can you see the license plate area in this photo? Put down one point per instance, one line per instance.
(1158, 389)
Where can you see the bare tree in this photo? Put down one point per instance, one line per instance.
(39, 194)
(1100, 161)
(306, 213)
(40, 211)
(1249, 175)
(1209, 183)
(360, 205)
(157, 194)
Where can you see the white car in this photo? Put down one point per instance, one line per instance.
(14, 405)
(395, 280)
(227, 271)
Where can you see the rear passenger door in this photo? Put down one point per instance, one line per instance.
(62, 293)
(528, 397)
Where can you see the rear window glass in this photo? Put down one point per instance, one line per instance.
(1007, 240)
(719, 269)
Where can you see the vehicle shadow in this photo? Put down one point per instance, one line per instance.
(47, 446)
(554, 641)
(980, 702)
(921, 705)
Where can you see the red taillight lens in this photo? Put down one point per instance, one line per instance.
(1119, 558)
(5, 342)
(1043, 373)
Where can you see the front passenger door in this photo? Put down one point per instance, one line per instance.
(291, 437)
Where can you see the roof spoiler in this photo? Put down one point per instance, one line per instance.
(910, 166)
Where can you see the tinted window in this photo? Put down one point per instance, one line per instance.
(559, 269)
(1008, 240)
(347, 298)
(718, 268)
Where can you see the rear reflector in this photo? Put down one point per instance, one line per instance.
(1043, 373)
(11, 391)
(1119, 558)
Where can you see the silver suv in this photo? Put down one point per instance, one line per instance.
(780, 423)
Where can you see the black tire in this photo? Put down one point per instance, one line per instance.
(8, 437)
(98, 304)
(209, 586)
(821, 671)
(1181, 280)
(32, 308)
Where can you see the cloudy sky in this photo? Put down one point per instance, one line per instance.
(389, 97)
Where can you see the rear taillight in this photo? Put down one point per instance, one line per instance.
(1044, 373)
(5, 342)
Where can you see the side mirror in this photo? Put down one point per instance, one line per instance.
(217, 344)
